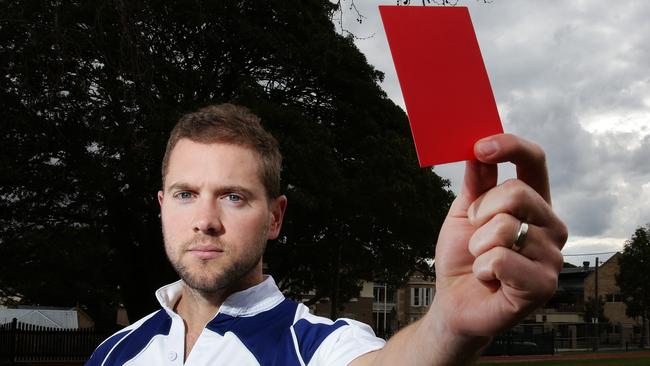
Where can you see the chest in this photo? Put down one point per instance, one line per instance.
(208, 349)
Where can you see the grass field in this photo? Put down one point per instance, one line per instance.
(640, 361)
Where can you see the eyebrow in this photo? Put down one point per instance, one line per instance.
(183, 186)
(180, 186)
(236, 189)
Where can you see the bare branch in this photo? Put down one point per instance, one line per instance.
(338, 13)
(440, 2)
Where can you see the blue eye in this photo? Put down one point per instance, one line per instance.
(233, 197)
(184, 196)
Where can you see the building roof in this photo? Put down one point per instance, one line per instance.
(52, 318)
(572, 270)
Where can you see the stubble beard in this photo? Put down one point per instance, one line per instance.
(229, 275)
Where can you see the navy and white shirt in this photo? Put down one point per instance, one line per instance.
(257, 326)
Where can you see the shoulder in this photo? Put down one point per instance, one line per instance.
(130, 340)
(322, 341)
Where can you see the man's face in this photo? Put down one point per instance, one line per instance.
(216, 216)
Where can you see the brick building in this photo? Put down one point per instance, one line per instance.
(388, 309)
(414, 298)
(359, 308)
(621, 328)
(393, 309)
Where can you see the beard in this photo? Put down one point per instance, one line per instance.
(216, 275)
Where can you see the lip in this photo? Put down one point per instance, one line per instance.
(206, 252)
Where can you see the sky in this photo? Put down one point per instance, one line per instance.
(574, 77)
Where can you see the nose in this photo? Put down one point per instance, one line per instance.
(207, 219)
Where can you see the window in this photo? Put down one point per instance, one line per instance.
(613, 298)
(415, 297)
(378, 292)
(421, 296)
(426, 296)
(390, 295)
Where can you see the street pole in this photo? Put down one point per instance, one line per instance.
(597, 309)
(377, 322)
(385, 295)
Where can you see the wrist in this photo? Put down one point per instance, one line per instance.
(453, 346)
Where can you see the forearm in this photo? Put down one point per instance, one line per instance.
(487, 280)
(429, 341)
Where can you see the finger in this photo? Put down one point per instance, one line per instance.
(520, 277)
(479, 178)
(501, 231)
(513, 197)
(529, 158)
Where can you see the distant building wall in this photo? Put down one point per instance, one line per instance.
(558, 318)
(122, 317)
(359, 309)
(608, 290)
(367, 289)
(385, 308)
(414, 299)
(625, 328)
(84, 320)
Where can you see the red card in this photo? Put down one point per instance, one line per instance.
(446, 89)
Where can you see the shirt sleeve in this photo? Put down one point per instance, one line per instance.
(345, 344)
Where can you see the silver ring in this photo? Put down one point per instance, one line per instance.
(520, 239)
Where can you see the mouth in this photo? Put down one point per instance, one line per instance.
(205, 253)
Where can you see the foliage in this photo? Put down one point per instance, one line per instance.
(595, 309)
(89, 91)
(634, 278)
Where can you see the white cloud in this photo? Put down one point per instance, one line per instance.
(601, 247)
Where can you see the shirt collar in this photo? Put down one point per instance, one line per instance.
(251, 301)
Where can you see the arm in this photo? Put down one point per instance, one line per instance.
(484, 287)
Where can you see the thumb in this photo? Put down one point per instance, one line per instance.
(479, 178)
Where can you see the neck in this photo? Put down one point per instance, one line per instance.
(197, 308)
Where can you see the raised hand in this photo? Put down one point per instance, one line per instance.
(483, 286)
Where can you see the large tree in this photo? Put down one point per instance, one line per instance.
(89, 92)
(634, 277)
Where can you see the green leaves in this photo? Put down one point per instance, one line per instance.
(634, 278)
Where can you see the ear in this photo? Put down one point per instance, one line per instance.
(160, 198)
(278, 206)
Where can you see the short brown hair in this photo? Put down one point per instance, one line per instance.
(233, 124)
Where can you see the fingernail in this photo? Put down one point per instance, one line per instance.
(486, 148)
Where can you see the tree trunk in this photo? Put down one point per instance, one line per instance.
(644, 331)
(334, 301)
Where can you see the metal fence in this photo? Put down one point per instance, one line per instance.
(522, 343)
(21, 342)
(529, 339)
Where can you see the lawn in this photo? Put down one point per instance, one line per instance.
(636, 361)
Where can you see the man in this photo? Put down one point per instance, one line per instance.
(497, 258)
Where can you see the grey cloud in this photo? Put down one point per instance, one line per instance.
(556, 67)
(583, 62)
(587, 213)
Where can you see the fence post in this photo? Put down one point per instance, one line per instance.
(553, 351)
(12, 341)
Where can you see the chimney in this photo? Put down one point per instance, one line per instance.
(585, 265)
